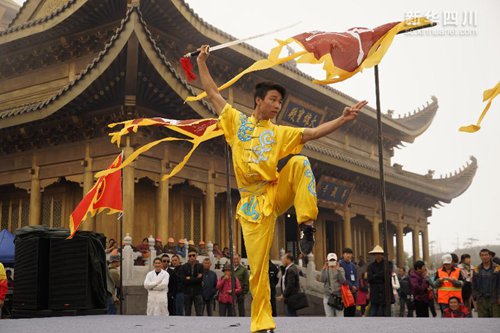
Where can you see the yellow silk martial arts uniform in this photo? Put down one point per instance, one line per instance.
(257, 147)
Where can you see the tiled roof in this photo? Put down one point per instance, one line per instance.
(36, 106)
(447, 188)
(38, 21)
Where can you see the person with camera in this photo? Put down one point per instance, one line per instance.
(332, 277)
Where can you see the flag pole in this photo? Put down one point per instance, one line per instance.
(120, 217)
(230, 221)
(383, 212)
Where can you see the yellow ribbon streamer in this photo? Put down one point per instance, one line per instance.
(333, 73)
(488, 95)
(210, 132)
(256, 66)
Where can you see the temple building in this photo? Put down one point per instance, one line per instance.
(69, 68)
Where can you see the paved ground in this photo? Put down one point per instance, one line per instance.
(139, 324)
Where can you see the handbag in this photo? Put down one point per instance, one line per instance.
(297, 301)
(347, 296)
(336, 302)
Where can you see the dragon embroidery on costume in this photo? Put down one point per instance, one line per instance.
(249, 208)
(266, 140)
(309, 174)
(246, 129)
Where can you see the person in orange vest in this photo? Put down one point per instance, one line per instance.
(448, 282)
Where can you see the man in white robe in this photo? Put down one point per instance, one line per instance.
(156, 283)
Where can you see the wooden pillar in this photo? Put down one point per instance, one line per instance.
(347, 228)
(339, 238)
(162, 200)
(209, 226)
(399, 244)
(416, 245)
(35, 195)
(88, 182)
(128, 193)
(425, 245)
(319, 250)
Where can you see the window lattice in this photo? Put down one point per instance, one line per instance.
(187, 219)
(46, 209)
(217, 222)
(56, 213)
(15, 215)
(25, 213)
(197, 221)
(5, 214)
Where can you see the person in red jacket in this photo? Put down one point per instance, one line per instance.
(455, 309)
(420, 289)
(224, 287)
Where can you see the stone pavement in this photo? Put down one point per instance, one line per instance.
(139, 324)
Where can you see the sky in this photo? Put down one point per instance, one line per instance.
(454, 61)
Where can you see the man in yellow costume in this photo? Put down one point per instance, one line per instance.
(257, 145)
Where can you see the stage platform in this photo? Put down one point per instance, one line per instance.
(139, 324)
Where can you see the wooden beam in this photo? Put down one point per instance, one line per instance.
(131, 71)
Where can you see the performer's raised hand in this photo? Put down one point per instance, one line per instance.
(207, 81)
(351, 112)
(204, 53)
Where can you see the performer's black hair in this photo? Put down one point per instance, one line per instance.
(262, 88)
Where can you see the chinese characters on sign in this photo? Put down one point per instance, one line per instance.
(297, 115)
(334, 192)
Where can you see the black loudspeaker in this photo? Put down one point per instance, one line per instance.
(31, 267)
(73, 281)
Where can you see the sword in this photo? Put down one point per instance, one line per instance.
(239, 41)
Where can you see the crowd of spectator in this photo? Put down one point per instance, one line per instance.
(350, 288)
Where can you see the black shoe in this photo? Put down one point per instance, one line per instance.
(265, 331)
(306, 242)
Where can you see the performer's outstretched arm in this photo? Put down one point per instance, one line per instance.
(349, 114)
(207, 81)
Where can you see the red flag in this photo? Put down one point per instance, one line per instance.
(342, 54)
(347, 49)
(105, 194)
